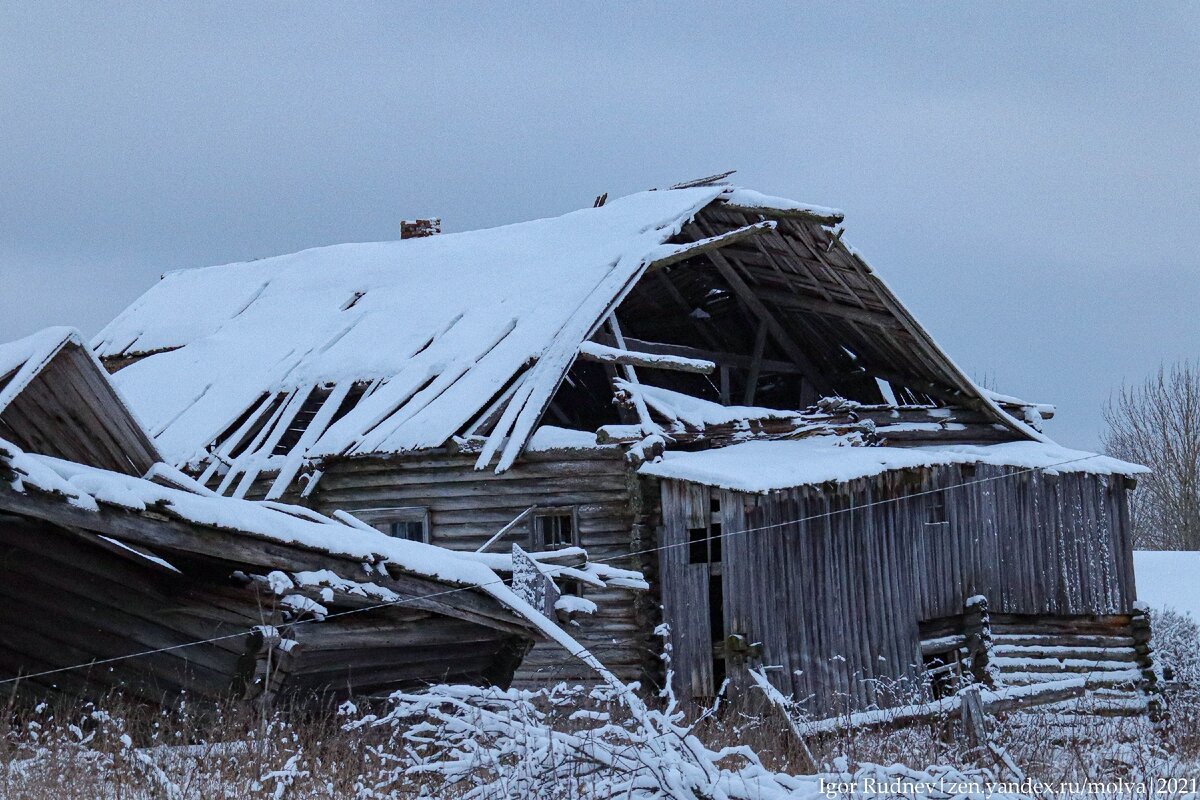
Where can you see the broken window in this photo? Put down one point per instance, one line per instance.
(704, 542)
(554, 529)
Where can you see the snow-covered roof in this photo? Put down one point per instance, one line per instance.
(399, 346)
(341, 536)
(91, 489)
(439, 324)
(764, 466)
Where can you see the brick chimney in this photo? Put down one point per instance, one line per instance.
(417, 228)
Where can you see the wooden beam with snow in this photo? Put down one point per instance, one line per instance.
(720, 358)
(807, 215)
(603, 354)
(692, 249)
(159, 531)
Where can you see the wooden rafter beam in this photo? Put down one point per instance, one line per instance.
(784, 213)
(605, 354)
(162, 534)
(710, 243)
(718, 357)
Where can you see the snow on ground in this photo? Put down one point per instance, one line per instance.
(1169, 579)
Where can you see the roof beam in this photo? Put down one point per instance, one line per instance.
(709, 243)
(604, 354)
(783, 213)
(720, 358)
(245, 548)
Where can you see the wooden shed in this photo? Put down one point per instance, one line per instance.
(538, 382)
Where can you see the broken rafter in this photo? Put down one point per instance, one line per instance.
(691, 249)
(603, 354)
(807, 215)
(799, 302)
(709, 180)
(720, 358)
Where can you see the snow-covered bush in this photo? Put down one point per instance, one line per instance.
(1176, 644)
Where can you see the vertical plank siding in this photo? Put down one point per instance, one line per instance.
(831, 582)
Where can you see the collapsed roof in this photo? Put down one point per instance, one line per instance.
(213, 594)
(389, 347)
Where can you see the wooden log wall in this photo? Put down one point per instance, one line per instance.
(68, 599)
(467, 506)
(829, 584)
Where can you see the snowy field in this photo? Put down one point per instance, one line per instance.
(1169, 579)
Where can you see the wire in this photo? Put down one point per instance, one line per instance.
(502, 582)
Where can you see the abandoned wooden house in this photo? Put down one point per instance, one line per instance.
(118, 571)
(704, 384)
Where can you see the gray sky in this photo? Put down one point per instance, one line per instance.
(1026, 177)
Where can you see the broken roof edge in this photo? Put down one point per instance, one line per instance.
(91, 489)
(29, 356)
(749, 200)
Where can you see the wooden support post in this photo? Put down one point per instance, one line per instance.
(977, 627)
(760, 343)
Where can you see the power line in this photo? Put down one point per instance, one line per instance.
(502, 582)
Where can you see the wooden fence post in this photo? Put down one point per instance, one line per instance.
(977, 628)
(974, 720)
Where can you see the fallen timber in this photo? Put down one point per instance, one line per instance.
(995, 701)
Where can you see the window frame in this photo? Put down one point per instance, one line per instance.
(542, 512)
(382, 520)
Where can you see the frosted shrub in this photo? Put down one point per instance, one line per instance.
(1176, 644)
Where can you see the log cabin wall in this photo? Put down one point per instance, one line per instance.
(829, 585)
(467, 506)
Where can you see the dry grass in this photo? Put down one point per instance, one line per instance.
(75, 750)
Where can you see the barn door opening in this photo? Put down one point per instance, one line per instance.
(693, 588)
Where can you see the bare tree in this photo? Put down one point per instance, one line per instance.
(1157, 423)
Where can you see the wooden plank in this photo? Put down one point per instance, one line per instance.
(710, 243)
(633, 358)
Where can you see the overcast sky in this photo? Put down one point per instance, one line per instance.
(1026, 176)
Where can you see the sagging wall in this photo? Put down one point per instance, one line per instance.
(467, 506)
(827, 585)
